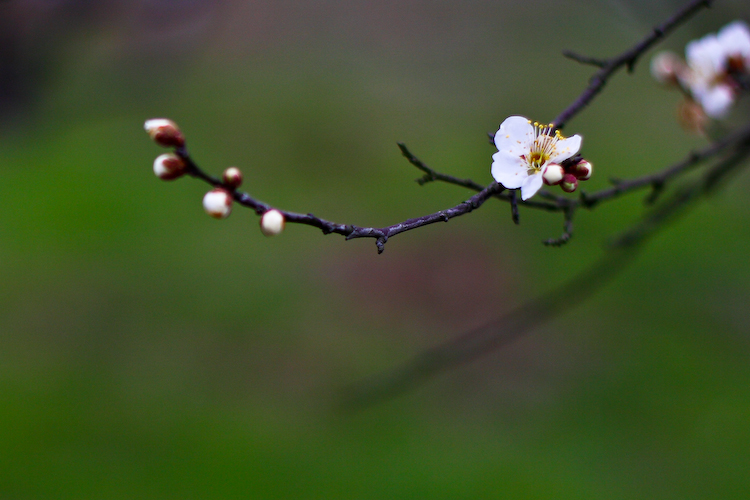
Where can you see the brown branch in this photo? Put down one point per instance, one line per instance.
(381, 234)
(532, 314)
(549, 202)
(627, 58)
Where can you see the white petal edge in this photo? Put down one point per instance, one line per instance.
(514, 132)
(531, 185)
(508, 170)
(735, 38)
(717, 101)
(565, 148)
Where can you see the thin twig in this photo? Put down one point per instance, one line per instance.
(381, 234)
(627, 58)
(600, 63)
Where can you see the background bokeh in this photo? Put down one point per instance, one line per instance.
(149, 351)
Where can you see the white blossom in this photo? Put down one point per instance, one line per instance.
(712, 61)
(525, 149)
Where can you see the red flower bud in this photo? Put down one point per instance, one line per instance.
(569, 183)
(164, 132)
(232, 177)
(169, 167)
(583, 170)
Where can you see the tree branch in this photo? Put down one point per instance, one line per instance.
(550, 202)
(532, 314)
(627, 58)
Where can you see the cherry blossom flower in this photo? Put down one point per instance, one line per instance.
(525, 149)
(735, 38)
(713, 61)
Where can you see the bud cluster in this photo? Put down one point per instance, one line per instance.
(218, 202)
(568, 174)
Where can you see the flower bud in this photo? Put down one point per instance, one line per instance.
(232, 177)
(164, 132)
(272, 223)
(692, 117)
(169, 166)
(218, 203)
(553, 174)
(583, 170)
(569, 183)
(666, 67)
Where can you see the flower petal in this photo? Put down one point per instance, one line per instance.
(735, 38)
(565, 148)
(706, 57)
(514, 134)
(509, 170)
(717, 101)
(531, 185)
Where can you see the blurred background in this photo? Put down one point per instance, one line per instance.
(149, 351)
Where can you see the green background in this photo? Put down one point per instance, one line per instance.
(149, 351)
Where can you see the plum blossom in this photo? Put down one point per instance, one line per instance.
(713, 61)
(525, 150)
(735, 38)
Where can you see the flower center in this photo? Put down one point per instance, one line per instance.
(542, 147)
(537, 158)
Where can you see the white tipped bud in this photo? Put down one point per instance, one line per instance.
(569, 183)
(667, 67)
(272, 223)
(169, 167)
(583, 170)
(164, 132)
(553, 174)
(218, 203)
(232, 177)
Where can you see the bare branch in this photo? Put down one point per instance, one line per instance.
(627, 58)
(550, 203)
(600, 63)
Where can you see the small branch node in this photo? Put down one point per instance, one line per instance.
(587, 201)
(425, 179)
(380, 243)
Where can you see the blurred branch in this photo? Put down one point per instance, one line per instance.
(489, 337)
(683, 198)
(532, 314)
